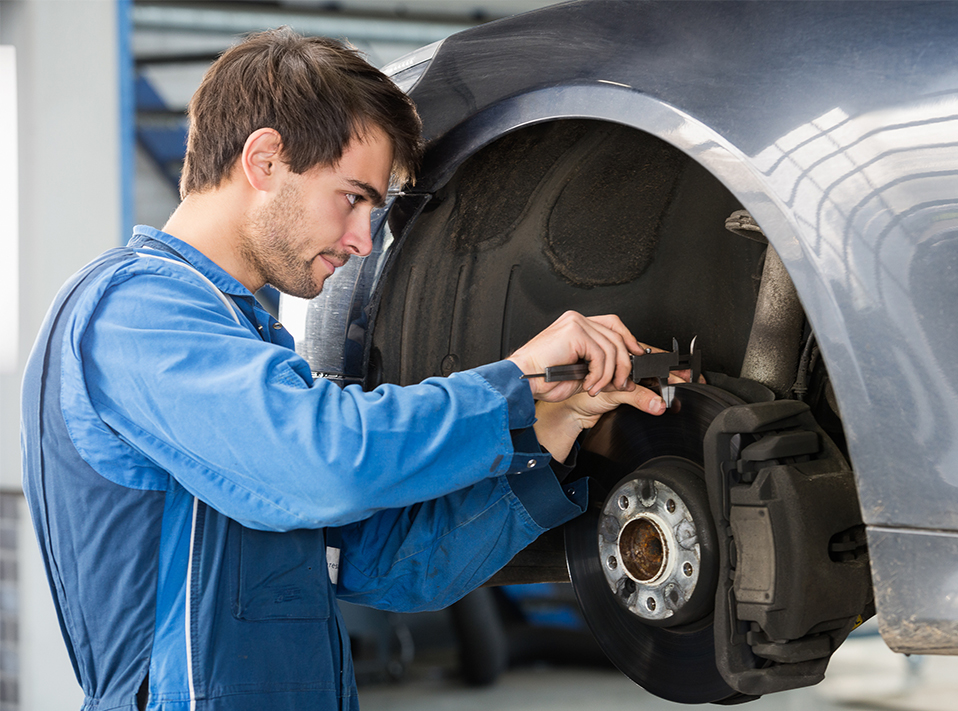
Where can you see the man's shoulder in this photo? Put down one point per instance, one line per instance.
(121, 263)
(155, 271)
(125, 263)
(144, 284)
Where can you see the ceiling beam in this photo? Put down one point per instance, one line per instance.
(232, 21)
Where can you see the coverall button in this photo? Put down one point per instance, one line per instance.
(531, 463)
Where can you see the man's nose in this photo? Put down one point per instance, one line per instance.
(358, 238)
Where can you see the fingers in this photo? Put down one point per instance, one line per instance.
(559, 423)
(683, 376)
(586, 410)
(618, 333)
(603, 370)
(604, 341)
(614, 323)
(616, 344)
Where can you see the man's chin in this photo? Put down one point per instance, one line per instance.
(300, 292)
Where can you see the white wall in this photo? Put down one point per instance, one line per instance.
(69, 211)
(9, 234)
(69, 113)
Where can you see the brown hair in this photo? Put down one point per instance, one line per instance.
(317, 93)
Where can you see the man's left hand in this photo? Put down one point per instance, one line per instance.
(558, 424)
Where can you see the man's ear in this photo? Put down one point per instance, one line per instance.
(260, 159)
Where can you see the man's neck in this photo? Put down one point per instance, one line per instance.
(211, 222)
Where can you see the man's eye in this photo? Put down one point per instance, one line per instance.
(353, 198)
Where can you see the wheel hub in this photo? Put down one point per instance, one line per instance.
(650, 548)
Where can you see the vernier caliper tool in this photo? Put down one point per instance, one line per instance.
(645, 365)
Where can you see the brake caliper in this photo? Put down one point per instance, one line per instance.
(793, 567)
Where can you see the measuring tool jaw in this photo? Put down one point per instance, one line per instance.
(659, 365)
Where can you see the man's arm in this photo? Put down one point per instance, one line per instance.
(239, 424)
(427, 556)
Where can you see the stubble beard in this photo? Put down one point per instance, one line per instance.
(270, 247)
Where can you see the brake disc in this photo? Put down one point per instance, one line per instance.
(643, 560)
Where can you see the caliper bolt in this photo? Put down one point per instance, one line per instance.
(687, 569)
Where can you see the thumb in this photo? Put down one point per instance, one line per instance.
(590, 409)
(641, 399)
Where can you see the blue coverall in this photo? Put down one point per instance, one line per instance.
(200, 502)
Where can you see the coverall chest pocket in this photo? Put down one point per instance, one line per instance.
(278, 576)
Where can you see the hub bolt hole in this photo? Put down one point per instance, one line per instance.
(647, 493)
(613, 563)
(687, 569)
(650, 603)
(670, 505)
(623, 502)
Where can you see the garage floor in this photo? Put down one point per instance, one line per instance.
(863, 675)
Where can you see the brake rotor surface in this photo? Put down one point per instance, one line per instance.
(674, 662)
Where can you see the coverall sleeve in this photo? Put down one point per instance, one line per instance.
(239, 423)
(428, 556)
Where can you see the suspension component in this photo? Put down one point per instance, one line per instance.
(771, 357)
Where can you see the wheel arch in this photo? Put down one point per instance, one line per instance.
(620, 104)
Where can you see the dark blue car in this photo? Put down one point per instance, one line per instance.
(777, 181)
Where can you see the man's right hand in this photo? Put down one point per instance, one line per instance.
(604, 341)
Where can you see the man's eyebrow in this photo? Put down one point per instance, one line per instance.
(374, 196)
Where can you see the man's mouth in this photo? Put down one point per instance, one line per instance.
(333, 263)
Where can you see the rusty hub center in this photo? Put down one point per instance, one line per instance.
(642, 549)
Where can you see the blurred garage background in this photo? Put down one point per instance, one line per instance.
(92, 129)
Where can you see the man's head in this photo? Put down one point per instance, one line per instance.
(316, 93)
(297, 229)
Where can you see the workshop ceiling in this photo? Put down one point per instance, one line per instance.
(174, 42)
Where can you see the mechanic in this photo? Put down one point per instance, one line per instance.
(200, 501)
